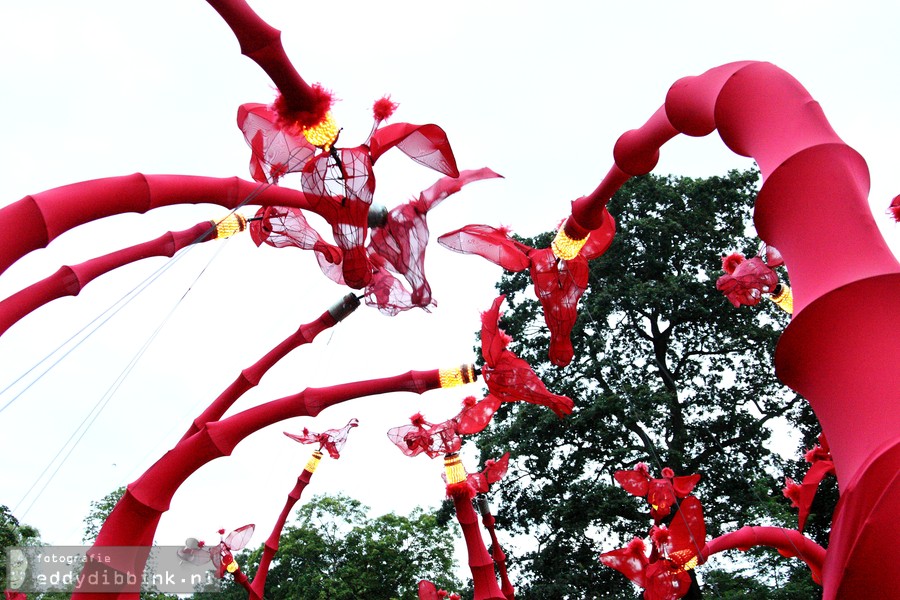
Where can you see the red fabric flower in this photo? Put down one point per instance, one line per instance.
(746, 280)
(339, 182)
(660, 493)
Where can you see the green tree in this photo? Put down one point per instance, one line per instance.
(665, 372)
(334, 551)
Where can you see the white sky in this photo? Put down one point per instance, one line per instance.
(537, 91)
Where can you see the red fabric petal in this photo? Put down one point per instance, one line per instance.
(238, 538)
(684, 484)
(688, 531)
(426, 144)
(273, 151)
(476, 418)
(746, 285)
(490, 243)
(629, 561)
(427, 591)
(634, 482)
(495, 471)
(808, 488)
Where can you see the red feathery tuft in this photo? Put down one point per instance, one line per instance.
(469, 401)
(895, 208)
(310, 114)
(417, 419)
(668, 473)
(461, 490)
(731, 262)
(384, 108)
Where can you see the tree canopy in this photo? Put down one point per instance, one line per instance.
(666, 372)
(335, 551)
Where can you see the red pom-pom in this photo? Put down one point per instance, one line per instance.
(469, 401)
(417, 419)
(668, 473)
(895, 208)
(311, 112)
(221, 532)
(731, 262)
(384, 108)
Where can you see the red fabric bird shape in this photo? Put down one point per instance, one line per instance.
(558, 284)
(331, 440)
(508, 377)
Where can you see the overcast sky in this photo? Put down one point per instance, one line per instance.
(537, 91)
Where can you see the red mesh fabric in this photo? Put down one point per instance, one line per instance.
(385, 292)
(476, 417)
(488, 242)
(507, 376)
(493, 471)
(273, 152)
(801, 495)
(558, 284)
(664, 574)
(342, 185)
(281, 226)
(403, 238)
(426, 144)
(746, 285)
(331, 440)
(660, 492)
(423, 437)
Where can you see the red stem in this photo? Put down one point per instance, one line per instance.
(134, 519)
(480, 562)
(257, 588)
(40, 218)
(70, 280)
(789, 542)
(262, 43)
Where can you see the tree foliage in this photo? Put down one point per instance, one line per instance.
(665, 372)
(334, 551)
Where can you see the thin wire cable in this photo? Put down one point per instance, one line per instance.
(93, 325)
(108, 395)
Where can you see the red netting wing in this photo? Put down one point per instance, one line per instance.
(631, 561)
(559, 285)
(194, 552)
(476, 417)
(746, 285)
(663, 581)
(507, 376)
(426, 144)
(281, 226)
(684, 484)
(447, 186)
(341, 193)
(238, 538)
(432, 440)
(808, 488)
(402, 242)
(386, 293)
(488, 242)
(493, 471)
(306, 437)
(333, 440)
(513, 379)
(688, 533)
(493, 339)
(273, 152)
(634, 482)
